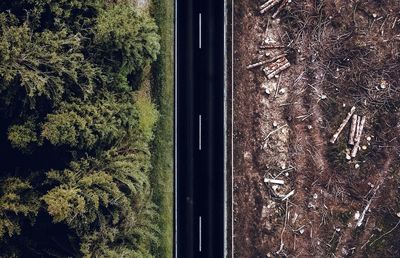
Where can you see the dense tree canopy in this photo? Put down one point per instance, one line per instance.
(75, 129)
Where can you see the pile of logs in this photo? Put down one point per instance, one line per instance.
(356, 130)
(265, 7)
(272, 66)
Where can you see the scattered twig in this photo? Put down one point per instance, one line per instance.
(387, 233)
(283, 229)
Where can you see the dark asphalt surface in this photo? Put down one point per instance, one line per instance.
(200, 144)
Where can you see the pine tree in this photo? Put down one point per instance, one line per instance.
(68, 93)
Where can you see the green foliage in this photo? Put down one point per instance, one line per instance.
(23, 136)
(17, 199)
(85, 125)
(55, 14)
(162, 147)
(90, 189)
(64, 203)
(127, 41)
(45, 64)
(148, 115)
(76, 130)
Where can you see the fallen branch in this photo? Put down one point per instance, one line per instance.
(360, 220)
(342, 125)
(283, 229)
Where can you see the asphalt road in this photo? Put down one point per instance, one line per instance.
(199, 146)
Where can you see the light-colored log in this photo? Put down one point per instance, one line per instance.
(279, 70)
(358, 138)
(353, 128)
(288, 195)
(273, 59)
(271, 45)
(342, 125)
(269, 6)
(275, 65)
(266, 4)
(284, 2)
(274, 181)
(256, 64)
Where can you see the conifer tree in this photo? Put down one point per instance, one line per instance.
(75, 131)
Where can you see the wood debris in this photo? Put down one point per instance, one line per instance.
(362, 216)
(272, 59)
(274, 181)
(283, 4)
(268, 5)
(360, 127)
(271, 46)
(342, 125)
(271, 3)
(356, 130)
(288, 195)
(353, 128)
(280, 69)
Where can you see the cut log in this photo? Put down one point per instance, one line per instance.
(271, 45)
(358, 138)
(271, 67)
(256, 64)
(288, 195)
(284, 2)
(273, 59)
(269, 6)
(279, 70)
(274, 181)
(353, 128)
(342, 125)
(266, 4)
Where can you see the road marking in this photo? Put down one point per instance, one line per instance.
(199, 132)
(200, 234)
(200, 30)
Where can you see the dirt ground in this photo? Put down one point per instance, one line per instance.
(343, 53)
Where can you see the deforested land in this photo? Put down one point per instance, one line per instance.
(315, 131)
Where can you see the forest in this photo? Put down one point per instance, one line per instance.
(85, 129)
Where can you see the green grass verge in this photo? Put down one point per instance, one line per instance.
(163, 95)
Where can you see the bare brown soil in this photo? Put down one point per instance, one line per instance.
(348, 51)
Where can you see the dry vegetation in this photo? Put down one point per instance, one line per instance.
(342, 54)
